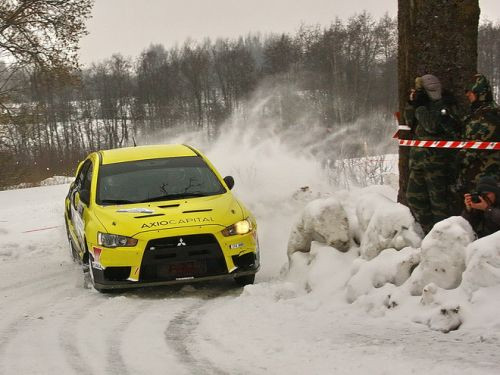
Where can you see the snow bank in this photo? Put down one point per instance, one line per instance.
(323, 220)
(443, 255)
(310, 270)
(385, 224)
(445, 281)
(390, 266)
(56, 180)
(483, 264)
(377, 223)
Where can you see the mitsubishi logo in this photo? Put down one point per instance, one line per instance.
(181, 242)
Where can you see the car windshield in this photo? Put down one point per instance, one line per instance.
(156, 180)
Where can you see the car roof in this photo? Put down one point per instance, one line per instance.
(120, 155)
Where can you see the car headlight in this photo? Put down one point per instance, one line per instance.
(241, 227)
(115, 240)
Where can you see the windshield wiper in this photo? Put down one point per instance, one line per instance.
(116, 201)
(168, 197)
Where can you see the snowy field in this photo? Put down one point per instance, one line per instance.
(328, 311)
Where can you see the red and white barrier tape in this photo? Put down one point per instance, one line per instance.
(477, 145)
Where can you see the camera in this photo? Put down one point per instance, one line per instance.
(420, 98)
(474, 197)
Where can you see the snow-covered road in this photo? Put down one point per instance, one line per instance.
(50, 323)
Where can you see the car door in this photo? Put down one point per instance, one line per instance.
(79, 201)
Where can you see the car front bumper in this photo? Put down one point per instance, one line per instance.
(126, 284)
(183, 258)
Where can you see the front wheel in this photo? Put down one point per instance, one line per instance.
(90, 258)
(245, 280)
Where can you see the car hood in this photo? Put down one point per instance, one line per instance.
(131, 219)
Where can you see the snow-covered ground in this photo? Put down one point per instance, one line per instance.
(328, 311)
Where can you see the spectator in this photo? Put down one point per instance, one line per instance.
(432, 118)
(482, 208)
(482, 124)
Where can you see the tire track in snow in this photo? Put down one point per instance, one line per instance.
(30, 282)
(11, 305)
(180, 335)
(68, 337)
(44, 302)
(115, 361)
(10, 300)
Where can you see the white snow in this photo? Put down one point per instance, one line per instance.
(440, 282)
(323, 220)
(483, 264)
(385, 224)
(390, 266)
(443, 255)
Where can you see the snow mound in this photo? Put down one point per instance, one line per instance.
(56, 180)
(443, 255)
(445, 281)
(483, 264)
(311, 270)
(365, 216)
(323, 220)
(390, 266)
(385, 224)
(444, 318)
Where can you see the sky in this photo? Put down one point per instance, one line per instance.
(130, 26)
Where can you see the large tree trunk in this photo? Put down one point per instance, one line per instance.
(437, 37)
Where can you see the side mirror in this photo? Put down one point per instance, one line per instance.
(85, 196)
(229, 180)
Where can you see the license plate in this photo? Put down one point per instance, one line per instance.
(186, 269)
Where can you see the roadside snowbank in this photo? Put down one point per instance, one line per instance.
(445, 280)
(54, 180)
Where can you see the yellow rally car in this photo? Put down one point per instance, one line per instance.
(154, 215)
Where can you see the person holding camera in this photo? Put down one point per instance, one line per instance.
(482, 208)
(431, 116)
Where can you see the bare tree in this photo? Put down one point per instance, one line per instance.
(44, 32)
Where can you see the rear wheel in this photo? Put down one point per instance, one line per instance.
(245, 280)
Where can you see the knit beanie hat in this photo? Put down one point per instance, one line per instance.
(432, 86)
(488, 184)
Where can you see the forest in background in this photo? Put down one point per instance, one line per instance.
(49, 120)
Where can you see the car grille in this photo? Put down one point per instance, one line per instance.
(182, 256)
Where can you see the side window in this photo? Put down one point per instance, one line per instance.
(87, 178)
(81, 174)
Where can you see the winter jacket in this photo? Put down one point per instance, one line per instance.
(483, 124)
(433, 120)
(485, 222)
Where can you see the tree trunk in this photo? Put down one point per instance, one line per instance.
(437, 37)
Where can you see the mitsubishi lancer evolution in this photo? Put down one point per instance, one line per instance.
(155, 215)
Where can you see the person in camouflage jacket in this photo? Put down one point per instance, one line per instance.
(482, 124)
(432, 117)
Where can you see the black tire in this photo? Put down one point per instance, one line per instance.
(74, 254)
(91, 274)
(245, 280)
(92, 280)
